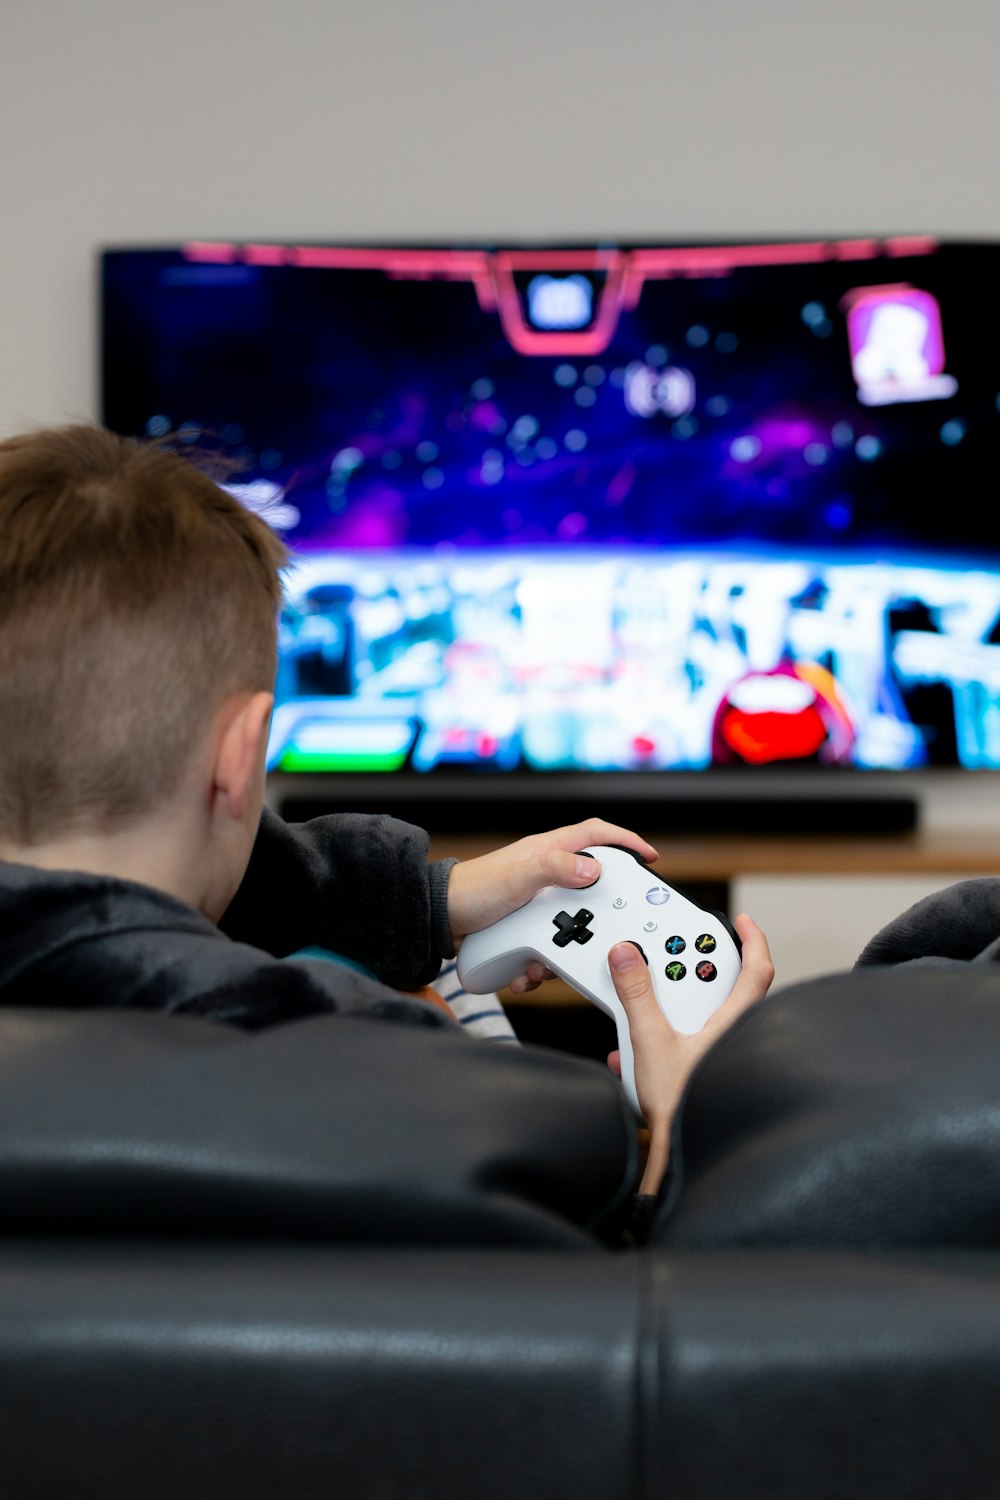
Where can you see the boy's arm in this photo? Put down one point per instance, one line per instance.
(361, 885)
(358, 884)
(961, 922)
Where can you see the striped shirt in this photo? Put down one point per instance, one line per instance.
(480, 1015)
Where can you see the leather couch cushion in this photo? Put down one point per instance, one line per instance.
(251, 1372)
(856, 1110)
(335, 1127)
(812, 1376)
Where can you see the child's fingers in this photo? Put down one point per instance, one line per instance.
(756, 974)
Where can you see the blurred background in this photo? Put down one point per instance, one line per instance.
(365, 120)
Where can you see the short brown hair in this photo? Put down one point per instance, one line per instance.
(135, 595)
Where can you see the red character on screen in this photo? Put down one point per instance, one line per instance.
(793, 713)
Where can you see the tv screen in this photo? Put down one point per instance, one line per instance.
(622, 509)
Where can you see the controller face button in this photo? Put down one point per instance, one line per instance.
(705, 943)
(706, 971)
(675, 944)
(658, 896)
(572, 929)
(649, 926)
(676, 970)
(619, 902)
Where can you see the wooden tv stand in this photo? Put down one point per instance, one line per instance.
(721, 857)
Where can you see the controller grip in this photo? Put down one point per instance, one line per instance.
(481, 972)
(628, 1064)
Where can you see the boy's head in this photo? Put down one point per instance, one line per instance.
(136, 597)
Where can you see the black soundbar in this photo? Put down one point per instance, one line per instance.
(515, 814)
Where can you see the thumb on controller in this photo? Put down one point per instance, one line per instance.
(634, 987)
(559, 867)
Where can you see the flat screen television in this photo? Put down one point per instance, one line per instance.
(576, 527)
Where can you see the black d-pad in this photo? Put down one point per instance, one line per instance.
(573, 929)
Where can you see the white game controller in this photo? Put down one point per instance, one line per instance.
(694, 955)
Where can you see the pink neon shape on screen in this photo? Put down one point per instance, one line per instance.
(910, 244)
(492, 273)
(265, 255)
(211, 250)
(920, 343)
(858, 249)
(576, 342)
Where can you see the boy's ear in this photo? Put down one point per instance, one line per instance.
(240, 749)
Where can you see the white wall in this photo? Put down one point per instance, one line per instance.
(123, 121)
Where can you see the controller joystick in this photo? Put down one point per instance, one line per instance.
(694, 954)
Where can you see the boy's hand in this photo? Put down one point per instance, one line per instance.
(665, 1058)
(481, 891)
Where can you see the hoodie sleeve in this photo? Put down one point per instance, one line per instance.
(358, 884)
(962, 922)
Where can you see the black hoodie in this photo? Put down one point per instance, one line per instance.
(359, 886)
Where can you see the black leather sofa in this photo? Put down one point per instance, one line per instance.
(345, 1258)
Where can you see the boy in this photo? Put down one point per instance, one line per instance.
(138, 607)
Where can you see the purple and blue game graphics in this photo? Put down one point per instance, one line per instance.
(608, 508)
